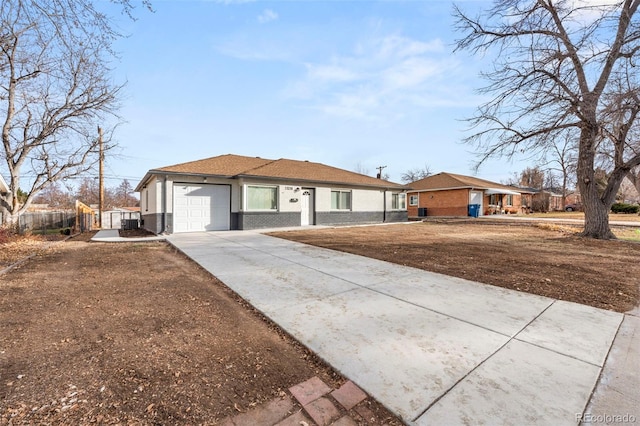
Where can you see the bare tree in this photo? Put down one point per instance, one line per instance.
(561, 161)
(621, 132)
(55, 89)
(124, 195)
(360, 168)
(560, 67)
(513, 180)
(88, 192)
(413, 175)
(55, 196)
(533, 177)
(634, 178)
(628, 193)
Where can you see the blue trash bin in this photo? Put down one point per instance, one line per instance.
(474, 210)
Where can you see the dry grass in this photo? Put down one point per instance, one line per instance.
(613, 217)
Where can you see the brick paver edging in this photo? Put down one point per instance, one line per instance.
(310, 403)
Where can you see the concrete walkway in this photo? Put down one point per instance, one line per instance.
(431, 348)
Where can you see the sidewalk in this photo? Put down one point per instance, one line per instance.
(431, 348)
(507, 217)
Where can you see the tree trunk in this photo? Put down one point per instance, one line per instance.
(596, 220)
(564, 190)
(596, 211)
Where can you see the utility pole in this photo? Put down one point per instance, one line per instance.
(380, 168)
(101, 179)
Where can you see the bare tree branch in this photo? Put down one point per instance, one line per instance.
(560, 70)
(55, 88)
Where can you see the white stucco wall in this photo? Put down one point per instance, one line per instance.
(289, 198)
(149, 203)
(323, 199)
(362, 200)
(366, 200)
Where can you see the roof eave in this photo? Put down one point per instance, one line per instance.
(443, 189)
(324, 182)
(158, 172)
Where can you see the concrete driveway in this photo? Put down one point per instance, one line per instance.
(435, 350)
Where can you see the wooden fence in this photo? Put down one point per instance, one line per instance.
(85, 218)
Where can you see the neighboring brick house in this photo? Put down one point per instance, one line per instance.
(540, 200)
(448, 194)
(236, 192)
(573, 197)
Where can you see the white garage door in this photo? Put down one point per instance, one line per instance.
(198, 207)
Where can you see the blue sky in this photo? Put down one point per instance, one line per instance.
(346, 83)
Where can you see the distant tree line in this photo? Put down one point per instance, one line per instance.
(59, 197)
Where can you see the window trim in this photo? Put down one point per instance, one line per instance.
(274, 187)
(340, 192)
(413, 203)
(509, 200)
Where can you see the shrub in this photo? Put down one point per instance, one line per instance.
(625, 208)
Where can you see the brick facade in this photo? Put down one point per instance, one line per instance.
(396, 216)
(154, 222)
(347, 217)
(450, 202)
(259, 220)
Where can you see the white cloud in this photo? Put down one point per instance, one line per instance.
(245, 48)
(403, 47)
(381, 77)
(411, 72)
(267, 15)
(587, 11)
(330, 73)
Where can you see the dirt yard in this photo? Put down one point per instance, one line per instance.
(135, 333)
(543, 259)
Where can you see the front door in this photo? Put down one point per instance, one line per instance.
(306, 207)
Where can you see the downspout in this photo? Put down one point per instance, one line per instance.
(384, 206)
(164, 205)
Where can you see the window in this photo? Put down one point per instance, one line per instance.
(262, 198)
(413, 200)
(398, 201)
(509, 200)
(340, 200)
(495, 199)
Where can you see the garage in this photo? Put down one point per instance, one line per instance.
(201, 207)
